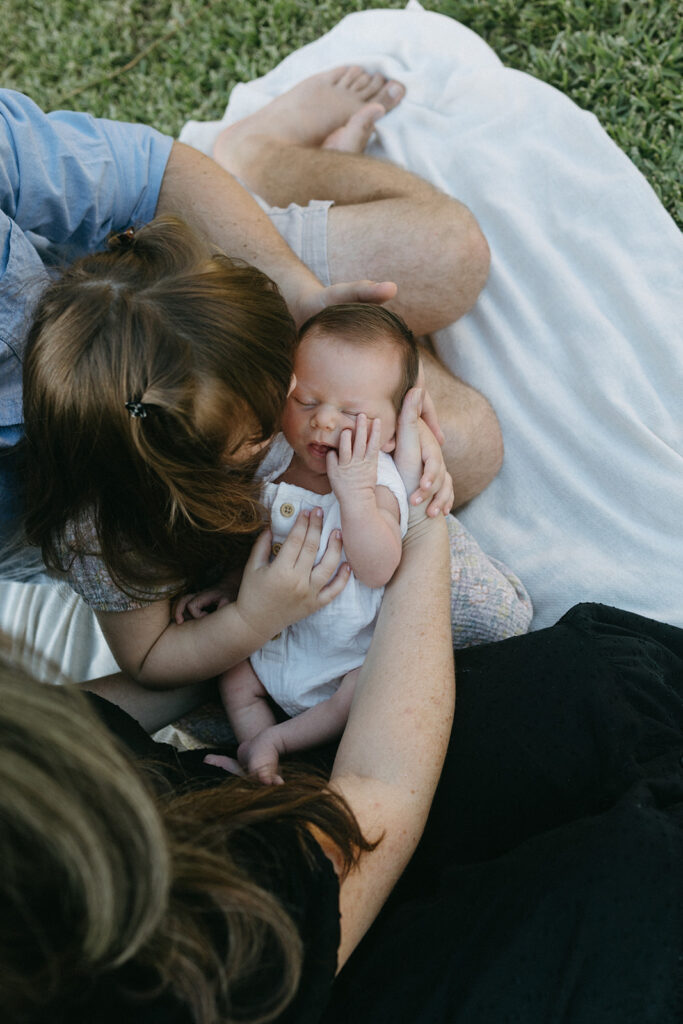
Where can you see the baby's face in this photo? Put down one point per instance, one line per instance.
(335, 381)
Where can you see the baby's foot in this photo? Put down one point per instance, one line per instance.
(310, 112)
(260, 758)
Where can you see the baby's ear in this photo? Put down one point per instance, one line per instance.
(292, 385)
(389, 445)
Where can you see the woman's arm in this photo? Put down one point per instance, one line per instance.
(159, 653)
(392, 750)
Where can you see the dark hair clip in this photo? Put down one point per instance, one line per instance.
(138, 410)
(122, 239)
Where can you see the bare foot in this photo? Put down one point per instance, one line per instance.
(260, 757)
(354, 136)
(310, 112)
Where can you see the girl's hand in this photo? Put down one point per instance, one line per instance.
(275, 594)
(352, 471)
(196, 606)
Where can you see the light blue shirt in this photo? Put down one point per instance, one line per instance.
(67, 181)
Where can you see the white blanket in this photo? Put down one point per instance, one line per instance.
(576, 339)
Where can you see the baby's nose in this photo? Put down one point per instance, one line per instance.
(324, 417)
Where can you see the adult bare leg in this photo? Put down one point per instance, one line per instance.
(387, 224)
(473, 444)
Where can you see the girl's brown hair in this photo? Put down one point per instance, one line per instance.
(148, 367)
(99, 875)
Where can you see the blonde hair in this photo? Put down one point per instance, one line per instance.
(200, 347)
(98, 875)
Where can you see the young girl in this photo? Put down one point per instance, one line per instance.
(353, 366)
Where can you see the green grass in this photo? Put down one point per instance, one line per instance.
(162, 61)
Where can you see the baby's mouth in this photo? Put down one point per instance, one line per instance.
(320, 450)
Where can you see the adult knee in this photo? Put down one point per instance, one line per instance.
(467, 255)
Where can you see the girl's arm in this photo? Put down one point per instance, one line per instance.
(369, 514)
(392, 750)
(159, 653)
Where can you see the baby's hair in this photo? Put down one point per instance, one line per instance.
(363, 324)
(147, 368)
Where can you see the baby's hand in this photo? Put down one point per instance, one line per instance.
(260, 756)
(352, 471)
(196, 606)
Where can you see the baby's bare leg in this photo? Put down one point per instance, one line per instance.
(245, 701)
(319, 724)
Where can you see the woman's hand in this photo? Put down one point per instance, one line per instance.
(429, 414)
(275, 594)
(419, 460)
(435, 479)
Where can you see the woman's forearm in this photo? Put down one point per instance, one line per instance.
(407, 677)
(392, 750)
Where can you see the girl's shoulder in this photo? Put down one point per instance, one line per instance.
(86, 572)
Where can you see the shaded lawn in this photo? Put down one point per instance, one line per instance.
(162, 61)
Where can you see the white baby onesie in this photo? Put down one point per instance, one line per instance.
(305, 663)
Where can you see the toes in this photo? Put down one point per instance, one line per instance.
(350, 77)
(367, 115)
(354, 136)
(373, 85)
(391, 94)
(335, 75)
(362, 82)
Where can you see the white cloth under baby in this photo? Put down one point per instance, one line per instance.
(304, 664)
